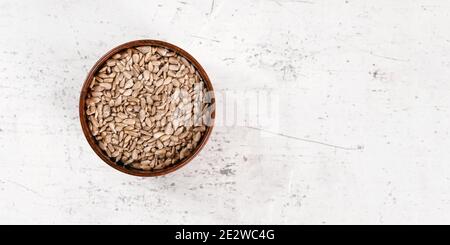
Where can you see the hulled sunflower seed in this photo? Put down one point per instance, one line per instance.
(145, 108)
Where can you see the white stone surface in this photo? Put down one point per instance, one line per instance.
(363, 113)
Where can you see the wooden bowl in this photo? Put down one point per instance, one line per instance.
(93, 142)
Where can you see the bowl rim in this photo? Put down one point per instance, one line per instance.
(85, 89)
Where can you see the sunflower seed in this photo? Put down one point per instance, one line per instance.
(144, 108)
(128, 84)
(128, 92)
(106, 85)
(157, 135)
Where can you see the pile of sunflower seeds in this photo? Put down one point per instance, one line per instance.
(148, 108)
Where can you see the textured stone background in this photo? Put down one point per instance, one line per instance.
(363, 112)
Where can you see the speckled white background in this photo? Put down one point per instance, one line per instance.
(363, 132)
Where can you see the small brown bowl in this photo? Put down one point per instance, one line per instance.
(84, 121)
